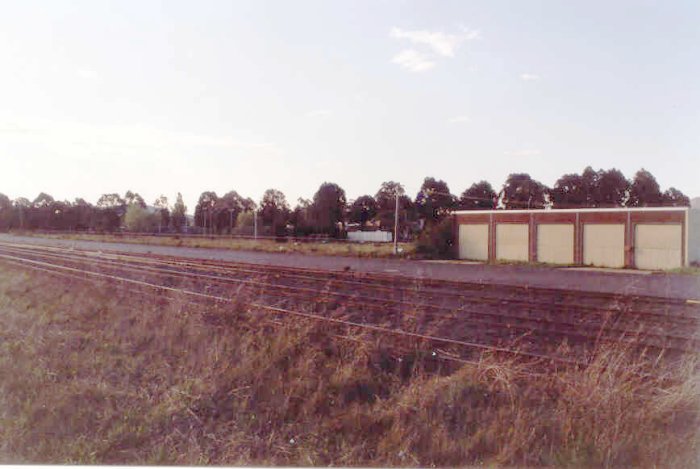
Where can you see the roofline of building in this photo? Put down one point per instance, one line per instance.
(574, 210)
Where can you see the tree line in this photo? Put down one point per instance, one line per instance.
(329, 212)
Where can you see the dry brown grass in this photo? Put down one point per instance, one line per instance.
(97, 375)
(346, 249)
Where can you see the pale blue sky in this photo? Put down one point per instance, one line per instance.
(160, 97)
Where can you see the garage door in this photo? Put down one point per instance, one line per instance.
(658, 246)
(474, 242)
(555, 243)
(512, 241)
(604, 245)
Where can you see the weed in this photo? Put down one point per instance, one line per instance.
(97, 374)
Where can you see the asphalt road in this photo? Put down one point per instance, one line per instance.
(628, 282)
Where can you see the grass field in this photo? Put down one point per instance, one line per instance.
(94, 374)
(407, 250)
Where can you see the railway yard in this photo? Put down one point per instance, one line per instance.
(454, 320)
(134, 354)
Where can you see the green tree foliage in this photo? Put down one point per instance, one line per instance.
(131, 198)
(106, 219)
(434, 200)
(204, 211)
(110, 201)
(40, 214)
(479, 196)
(363, 210)
(161, 204)
(644, 190)
(274, 211)
(590, 181)
(570, 191)
(178, 218)
(437, 240)
(672, 197)
(301, 217)
(226, 209)
(245, 222)
(139, 219)
(60, 215)
(6, 213)
(328, 208)
(248, 204)
(327, 211)
(521, 192)
(605, 188)
(110, 209)
(612, 189)
(43, 200)
(386, 206)
(80, 215)
(21, 206)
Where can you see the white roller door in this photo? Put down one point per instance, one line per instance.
(474, 242)
(658, 246)
(604, 244)
(512, 241)
(555, 243)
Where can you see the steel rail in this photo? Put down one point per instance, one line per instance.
(500, 302)
(591, 331)
(272, 309)
(544, 335)
(665, 336)
(528, 302)
(392, 279)
(436, 353)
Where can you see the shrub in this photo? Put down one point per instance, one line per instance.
(437, 240)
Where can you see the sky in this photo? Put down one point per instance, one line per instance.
(161, 97)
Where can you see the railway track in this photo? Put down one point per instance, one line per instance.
(535, 322)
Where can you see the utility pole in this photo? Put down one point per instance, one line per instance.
(230, 222)
(396, 224)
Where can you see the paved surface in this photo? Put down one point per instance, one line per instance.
(667, 285)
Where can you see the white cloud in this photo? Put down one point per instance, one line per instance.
(525, 152)
(87, 73)
(413, 60)
(458, 120)
(103, 136)
(441, 43)
(13, 128)
(319, 113)
(529, 77)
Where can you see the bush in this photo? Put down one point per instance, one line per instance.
(140, 219)
(436, 240)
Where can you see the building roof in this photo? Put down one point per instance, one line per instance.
(573, 210)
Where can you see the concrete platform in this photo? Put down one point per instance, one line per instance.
(608, 270)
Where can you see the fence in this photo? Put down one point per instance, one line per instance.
(370, 236)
